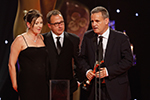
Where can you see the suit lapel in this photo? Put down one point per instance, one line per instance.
(65, 43)
(50, 42)
(110, 45)
(94, 42)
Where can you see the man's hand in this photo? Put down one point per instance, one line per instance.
(78, 83)
(102, 73)
(90, 75)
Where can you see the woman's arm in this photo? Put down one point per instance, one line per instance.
(14, 52)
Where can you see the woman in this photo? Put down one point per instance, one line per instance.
(30, 49)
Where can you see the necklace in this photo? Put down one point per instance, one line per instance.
(33, 39)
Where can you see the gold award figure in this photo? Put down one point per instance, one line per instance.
(44, 6)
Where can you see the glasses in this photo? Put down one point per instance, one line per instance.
(57, 23)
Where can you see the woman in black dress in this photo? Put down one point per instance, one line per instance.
(29, 48)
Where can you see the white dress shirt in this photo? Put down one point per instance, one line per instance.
(61, 40)
(105, 36)
(105, 40)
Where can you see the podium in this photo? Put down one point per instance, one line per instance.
(59, 89)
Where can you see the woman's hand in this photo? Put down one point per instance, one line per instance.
(15, 87)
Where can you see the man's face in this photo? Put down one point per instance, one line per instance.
(57, 24)
(99, 24)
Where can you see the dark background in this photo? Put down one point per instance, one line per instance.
(137, 28)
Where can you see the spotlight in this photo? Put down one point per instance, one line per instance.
(136, 14)
(118, 10)
(67, 3)
(76, 5)
(6, 41)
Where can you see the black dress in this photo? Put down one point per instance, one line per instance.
(33, 80)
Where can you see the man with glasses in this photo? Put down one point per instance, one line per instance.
(62, 47)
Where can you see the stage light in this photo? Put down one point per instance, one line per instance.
(76, 5)
(136, 14)
(67, 3)
(118, 10)
(6, 41)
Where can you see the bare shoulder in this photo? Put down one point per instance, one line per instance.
(18, 39)
(18, 42)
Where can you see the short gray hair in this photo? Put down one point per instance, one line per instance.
(101, 9)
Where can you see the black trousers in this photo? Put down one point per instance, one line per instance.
(104, 92)
(71, 96)
(85, 95)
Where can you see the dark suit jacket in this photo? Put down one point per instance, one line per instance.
(61, 65)
(118, 59)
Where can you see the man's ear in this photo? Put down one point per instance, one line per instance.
(107, 20)
(49, 25)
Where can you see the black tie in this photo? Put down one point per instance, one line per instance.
(100, 48)
(58, 45)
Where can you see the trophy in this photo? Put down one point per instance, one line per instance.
(85, 84)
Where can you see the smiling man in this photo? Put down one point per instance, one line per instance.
(113, 47)
(62, 47)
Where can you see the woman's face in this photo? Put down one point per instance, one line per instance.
(36, 27)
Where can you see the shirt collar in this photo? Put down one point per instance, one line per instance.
(106, 33)
(54, 35)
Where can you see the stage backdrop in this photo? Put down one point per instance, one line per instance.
(76, 14)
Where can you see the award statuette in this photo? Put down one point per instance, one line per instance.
(86, 83)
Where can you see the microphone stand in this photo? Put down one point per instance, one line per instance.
(98, 57)
(99, 75)
(96, 84)
(99, 63)
(99, 80)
